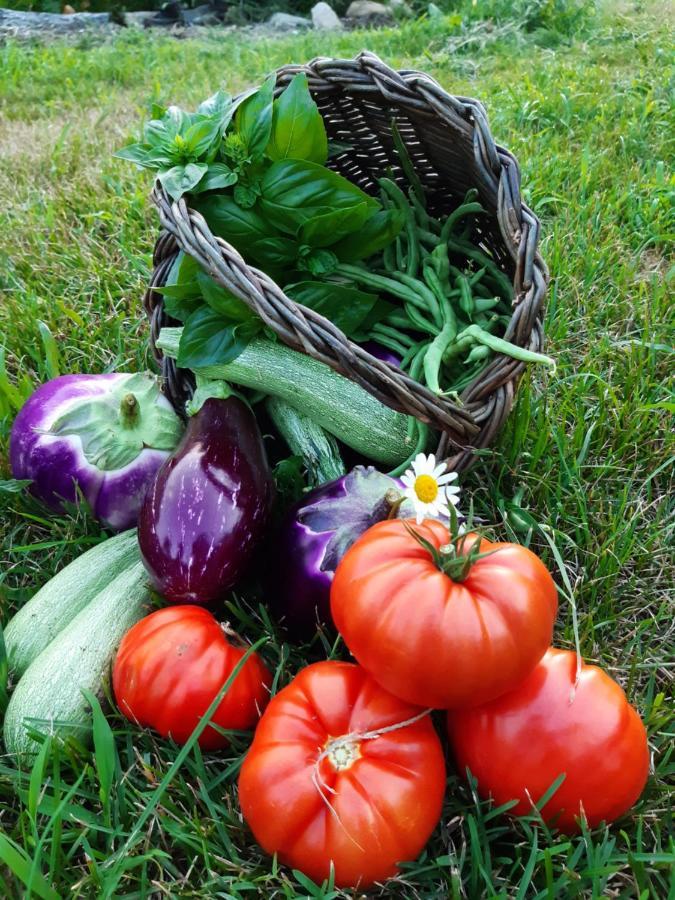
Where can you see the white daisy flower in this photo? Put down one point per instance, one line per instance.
(428, 486)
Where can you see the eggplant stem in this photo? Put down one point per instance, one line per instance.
(130, 410)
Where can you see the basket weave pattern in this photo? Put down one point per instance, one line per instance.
(452, 150)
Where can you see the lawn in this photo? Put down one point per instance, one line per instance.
(586, 453)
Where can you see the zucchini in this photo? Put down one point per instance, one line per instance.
(318, 449)
(342, 407)
(57, 602)
(49, 696)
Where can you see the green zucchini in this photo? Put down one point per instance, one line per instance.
(342, 407)
(57, 602)
(49, 696)
(305, 438)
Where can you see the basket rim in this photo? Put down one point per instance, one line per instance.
(486, 401)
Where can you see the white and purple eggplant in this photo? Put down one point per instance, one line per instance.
(314, 536)
(102, 437)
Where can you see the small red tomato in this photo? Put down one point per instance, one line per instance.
(315, 788)
(520, 743)
(433, 629)
(172, 664)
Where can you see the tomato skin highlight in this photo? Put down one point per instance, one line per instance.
(386, 803)
(432, 641)
(171, 665)
(522, 741)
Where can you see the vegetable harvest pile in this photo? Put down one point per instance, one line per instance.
(298, 488)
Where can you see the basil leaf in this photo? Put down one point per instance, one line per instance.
(157, 134)
(175, 120)
(181, 292)
(180, 308)
(254, 119)
(298, 131)
(217, 107)
(222, 301)
(245, 196)
(377, 232)
(209, 339)
(346, 307)
(275, 251)
(294, 191)
(328, 228)
(218, 176)
(201, 136)
(241, 227)
(136, 153)
(318, 262)
(181, 179)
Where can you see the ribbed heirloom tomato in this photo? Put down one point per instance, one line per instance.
(318, 785)
(433, 623)
(171, 665)
(522, 742)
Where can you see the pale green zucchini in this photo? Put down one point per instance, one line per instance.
(305, 438)
(342, 407)
(49, 698)
(57, 602)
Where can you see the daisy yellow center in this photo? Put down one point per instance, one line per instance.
(426, 488)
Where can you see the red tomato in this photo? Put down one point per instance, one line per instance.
(382, 796)
(521, 742)
(171, 665)
(434, 641)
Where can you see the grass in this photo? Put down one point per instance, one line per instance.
(587, 454)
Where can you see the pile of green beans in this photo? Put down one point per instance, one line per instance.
(444, 325)
(452, 300)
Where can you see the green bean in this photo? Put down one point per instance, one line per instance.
(386, 331)
(485, 304)
(476, 277)
(389, 258)
(400, 257)
(418, 361)
(462, 343)
(480, 351)
(406, 163)
(420, 322)
(465, 209)
(467, 376)
(441, 264)
(413, 260)
(389, 343)
(427, 237)
(499, 345)
(408, 359)
(423, 218)
(434, 285)
(434, 355)
(465, 297)
(382, 283)
(471, 252)
(394, 192)
(424, 293)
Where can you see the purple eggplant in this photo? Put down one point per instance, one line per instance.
(209, 506)
(380, 352)
(101, 436)
(313, 538)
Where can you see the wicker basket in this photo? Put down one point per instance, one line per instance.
(450, 144)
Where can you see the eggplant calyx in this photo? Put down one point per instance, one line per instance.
(116, 426)
(130, 410)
